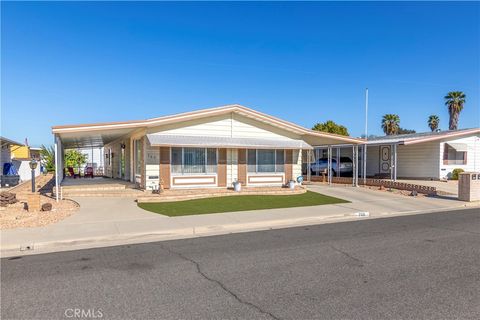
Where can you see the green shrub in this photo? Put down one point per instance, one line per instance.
(455, 173)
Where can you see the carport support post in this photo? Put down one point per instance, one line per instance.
(338, 161)
(309, 172)
(329, 164)
(395, 162)
(355, 165)
(364, 160)
(57, 168)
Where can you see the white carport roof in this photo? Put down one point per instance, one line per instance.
(414, 138)
(91, 139)
(225, 142)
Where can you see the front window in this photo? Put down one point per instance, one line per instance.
(266, 160)
(190, 161)
(452, 156)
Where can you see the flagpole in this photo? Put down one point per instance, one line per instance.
(366, 138)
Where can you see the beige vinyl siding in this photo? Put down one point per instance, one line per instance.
(473, 156)
(419, 160)
(112, 165)
(112, 169)
(373, 160)
(152, 166)
(232, 125)
(297, 164)
(232, 166)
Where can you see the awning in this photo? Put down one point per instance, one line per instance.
(460, 147)
(225, 142)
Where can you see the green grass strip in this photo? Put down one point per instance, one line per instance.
(238, 203)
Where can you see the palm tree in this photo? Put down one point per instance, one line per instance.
(390, 124)
(433, 122)
(48, 157)
(454, 101)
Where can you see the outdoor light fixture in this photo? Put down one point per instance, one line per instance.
(123, 145)
(33, 165)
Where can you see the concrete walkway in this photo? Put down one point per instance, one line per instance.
(112, 221)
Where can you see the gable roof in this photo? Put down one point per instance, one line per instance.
(239, 109)
(413, 138)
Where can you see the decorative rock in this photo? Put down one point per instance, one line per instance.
(7, 198)
(47, 207)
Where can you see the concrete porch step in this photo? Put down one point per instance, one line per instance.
(102, 194)
(92, 189)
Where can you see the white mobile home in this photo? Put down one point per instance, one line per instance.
(206, 148)
(429, 155)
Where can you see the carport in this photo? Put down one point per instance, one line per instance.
(81, 137)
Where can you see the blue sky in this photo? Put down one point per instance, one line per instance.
(81, 62)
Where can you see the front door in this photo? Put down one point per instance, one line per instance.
(385, 158)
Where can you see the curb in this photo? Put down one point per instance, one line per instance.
(195, 232)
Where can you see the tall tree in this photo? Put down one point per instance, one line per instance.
(390, 123)
(331, 127)
(433, 122)
(405, 131)
(75, 159)
(454, 101)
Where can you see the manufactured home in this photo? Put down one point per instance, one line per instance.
(429, 155)
(207, 148)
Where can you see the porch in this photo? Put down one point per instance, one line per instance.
(97, 187)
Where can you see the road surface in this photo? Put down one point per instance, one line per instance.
(421, 266)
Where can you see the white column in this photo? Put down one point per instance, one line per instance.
(355, 165)
(395, 162)
(57, 168)
(309, 172)
(338, 161)
(329, 164)
(364, 173)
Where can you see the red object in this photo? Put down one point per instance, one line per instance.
(88, 172)
(72, 173)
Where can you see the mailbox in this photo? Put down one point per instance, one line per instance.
(469, 186)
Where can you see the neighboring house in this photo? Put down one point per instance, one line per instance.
(207, 148)
(6, 158)
(429, 155)
(21, 156)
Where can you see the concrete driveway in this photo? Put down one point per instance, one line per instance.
(110, 221)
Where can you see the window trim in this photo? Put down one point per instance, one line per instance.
(274, 162)
(182, 173)
(452, 162)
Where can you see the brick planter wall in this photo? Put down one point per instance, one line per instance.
(380, 182)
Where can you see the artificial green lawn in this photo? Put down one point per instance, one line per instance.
(238, 203)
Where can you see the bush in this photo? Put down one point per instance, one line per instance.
(455, 173)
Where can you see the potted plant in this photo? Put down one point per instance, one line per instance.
(291, 184)
(237, 186)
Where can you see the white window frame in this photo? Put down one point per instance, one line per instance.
(275, 162)
(183, 161)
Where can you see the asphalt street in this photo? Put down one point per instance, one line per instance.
(412, 267)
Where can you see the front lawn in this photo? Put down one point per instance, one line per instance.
(238, 203)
